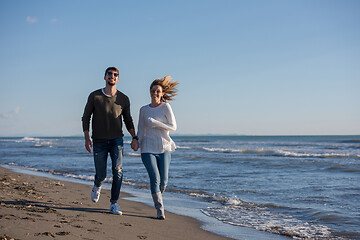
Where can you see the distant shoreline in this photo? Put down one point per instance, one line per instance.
(197, 135)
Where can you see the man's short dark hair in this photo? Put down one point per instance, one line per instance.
(111, 68)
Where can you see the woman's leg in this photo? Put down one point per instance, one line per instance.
(163, 164)
(150, 162)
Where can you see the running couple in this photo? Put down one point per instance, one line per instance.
(108, 107)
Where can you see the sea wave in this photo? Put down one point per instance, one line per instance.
(236, 212)
(351, 141)
(130, 154)
(38, 142)
(232, 150)
(28, 139)
(183, 147)
(24, 139)
(261, 218)
(317, 155)
(280, 153)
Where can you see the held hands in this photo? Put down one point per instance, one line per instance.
(135, 144)
(88, 144)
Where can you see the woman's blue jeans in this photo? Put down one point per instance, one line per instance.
(101, 150)
(157, 166)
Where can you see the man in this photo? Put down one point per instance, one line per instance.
(109, 107)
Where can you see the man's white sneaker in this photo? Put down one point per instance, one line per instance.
(115, 209)
(95, 194)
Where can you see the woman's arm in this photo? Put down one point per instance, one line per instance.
(170, 125)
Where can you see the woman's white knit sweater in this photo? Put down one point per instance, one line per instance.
(153, 129)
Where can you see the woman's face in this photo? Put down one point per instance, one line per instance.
(156, 93)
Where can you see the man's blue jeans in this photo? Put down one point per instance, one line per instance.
(157, 166)
(101, 150)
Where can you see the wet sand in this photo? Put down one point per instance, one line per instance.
(33, 207)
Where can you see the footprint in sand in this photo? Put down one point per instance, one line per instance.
(28, 219)
(45, 234)
(62, 233)
(77, 226)
(94, 221)
(126, 224)
(35, 215)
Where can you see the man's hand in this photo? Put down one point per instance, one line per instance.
(135, 144)
(88, 143)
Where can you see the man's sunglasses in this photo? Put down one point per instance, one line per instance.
(111, 73)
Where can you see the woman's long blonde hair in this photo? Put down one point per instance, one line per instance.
(168, 87)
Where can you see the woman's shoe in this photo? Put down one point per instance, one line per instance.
(159, 205)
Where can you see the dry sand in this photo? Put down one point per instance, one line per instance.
(33, 207)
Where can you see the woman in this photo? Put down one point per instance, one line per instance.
(155, 122)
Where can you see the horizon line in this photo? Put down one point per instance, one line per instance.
(193, 135)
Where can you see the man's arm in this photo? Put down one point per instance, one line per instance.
(88, 143)
(130, 125)
(89, 107)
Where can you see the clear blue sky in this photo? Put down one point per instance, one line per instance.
(245, 67)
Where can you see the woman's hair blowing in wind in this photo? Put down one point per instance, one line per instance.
(168, 87)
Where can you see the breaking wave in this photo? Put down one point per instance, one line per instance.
(277, 153)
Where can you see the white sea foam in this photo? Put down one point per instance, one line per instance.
(234, 201)
(38, 142)
(81, 177)
(284, 153)
(232, 150)
(317, 155)
(217, 198)
(183, 147)
(28, 139)
(44, 144)
(239, 213)
(261, 218)
(202, 195)
(133, 154)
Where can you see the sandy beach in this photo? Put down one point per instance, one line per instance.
(34, 207)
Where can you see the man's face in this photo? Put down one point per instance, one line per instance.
(111, 77)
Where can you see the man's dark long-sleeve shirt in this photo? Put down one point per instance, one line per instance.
(108, 113)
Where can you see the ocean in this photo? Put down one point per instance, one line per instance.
(300, 187)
